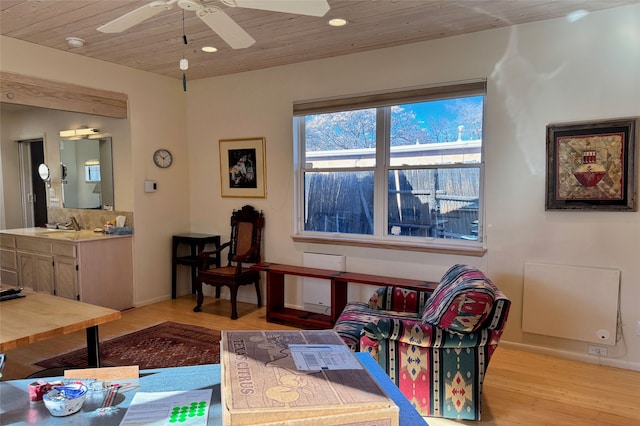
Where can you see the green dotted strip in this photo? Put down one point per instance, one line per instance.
(183, 413)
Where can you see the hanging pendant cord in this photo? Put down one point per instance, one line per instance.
(184, 40)
(184, 35)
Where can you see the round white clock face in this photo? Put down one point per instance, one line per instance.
(162, 158)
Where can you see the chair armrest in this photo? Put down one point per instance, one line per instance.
(205, 256)
(417, 333)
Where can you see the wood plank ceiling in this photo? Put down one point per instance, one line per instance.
(156, 45)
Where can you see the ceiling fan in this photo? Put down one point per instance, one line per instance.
(215, 18)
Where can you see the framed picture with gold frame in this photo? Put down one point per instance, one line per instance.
(242, 168)
(592, 165)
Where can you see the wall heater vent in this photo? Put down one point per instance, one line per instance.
(316, 292)
(571, 302)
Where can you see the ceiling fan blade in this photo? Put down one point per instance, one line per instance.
(300, 7)
(136, 16)
(225, 27)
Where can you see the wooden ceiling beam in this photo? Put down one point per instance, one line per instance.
(24, 90)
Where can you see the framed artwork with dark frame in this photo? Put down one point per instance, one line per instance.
(242, 168)
(592, 165)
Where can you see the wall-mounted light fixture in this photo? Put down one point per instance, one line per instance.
(72, 133)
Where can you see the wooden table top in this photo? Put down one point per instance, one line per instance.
(40, 316)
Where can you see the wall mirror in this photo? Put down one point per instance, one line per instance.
(87, 173)
(43, 171)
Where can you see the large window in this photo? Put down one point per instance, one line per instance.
(403, 166)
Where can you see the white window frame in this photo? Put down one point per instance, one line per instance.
(380, 238)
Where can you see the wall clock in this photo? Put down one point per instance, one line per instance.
(162, 158)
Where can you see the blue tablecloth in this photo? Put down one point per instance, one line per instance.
(16, 409)
(408, 414)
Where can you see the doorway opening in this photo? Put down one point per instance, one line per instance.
(33, 189)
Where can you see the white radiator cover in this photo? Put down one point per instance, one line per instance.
(316, 292)
(571, 302)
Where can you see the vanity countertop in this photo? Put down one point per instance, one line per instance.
(58, 234)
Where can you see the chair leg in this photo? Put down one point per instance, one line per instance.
(257, 283)
(234, 295)
(217, 292)
(199, 297)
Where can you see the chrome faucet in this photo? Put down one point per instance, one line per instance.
(75, 224)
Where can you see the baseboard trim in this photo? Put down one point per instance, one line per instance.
(139, 303)
(609, 362)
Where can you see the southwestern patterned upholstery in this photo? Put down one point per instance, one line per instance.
(389, 302)
(437, 355)
(462, 301)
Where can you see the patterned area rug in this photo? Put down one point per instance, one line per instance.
(168, 344)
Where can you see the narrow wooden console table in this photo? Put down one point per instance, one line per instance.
(338, 282)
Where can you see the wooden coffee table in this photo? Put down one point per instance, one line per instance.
(40, 316)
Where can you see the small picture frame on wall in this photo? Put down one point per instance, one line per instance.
(592, 165)
(242, 168)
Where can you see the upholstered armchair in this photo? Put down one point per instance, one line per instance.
(435, 346)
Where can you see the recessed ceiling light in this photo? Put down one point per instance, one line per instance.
(337, 22)
(209, 49)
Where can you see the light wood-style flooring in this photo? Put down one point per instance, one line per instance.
(520, 388)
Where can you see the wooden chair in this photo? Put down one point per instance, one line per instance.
(244, 248)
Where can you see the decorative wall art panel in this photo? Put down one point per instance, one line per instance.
(592, 166)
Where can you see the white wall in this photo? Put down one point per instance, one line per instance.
(539, 73)
(156, 119)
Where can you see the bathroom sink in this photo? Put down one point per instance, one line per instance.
(60, 234)
(69, 235)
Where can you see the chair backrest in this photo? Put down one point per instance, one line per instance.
(463, 301)
(246, 232)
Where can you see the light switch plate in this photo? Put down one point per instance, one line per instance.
(150, 186)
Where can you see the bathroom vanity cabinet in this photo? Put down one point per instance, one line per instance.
(81, 265)
(8, 260)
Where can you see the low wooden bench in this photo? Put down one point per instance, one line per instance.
(339, 280)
